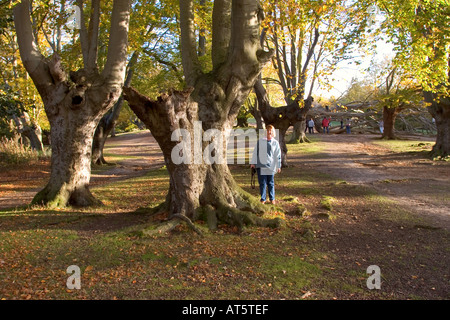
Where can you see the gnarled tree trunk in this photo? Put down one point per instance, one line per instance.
(74, 106)
(298, 131)
(200, 183)
(282, 117)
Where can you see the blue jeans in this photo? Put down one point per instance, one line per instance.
(266, 181)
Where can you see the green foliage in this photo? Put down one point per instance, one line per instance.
(420, 32)
(310, 39)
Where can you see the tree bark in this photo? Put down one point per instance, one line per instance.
(298, 132)
(440, 111)
(73, 106)
(389, 116)
(30, 130)
(201, 185)
(198, 189)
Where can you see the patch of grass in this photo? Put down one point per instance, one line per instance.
(388, 210)
(327, 202)
(115, 158)
(290, 274)
(412, 146)
(309, 148)
(145, 191)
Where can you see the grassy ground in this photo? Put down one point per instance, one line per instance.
(334, 231)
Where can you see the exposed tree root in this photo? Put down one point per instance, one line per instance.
(189, 223)
(162, 228)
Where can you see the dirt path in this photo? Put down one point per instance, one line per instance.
(414, 182)
(137, 153)
(133, 155)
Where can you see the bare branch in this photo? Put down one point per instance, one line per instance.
(114, 71)
(94, 24)
(221, 31)
(191, 64)
(32, 58)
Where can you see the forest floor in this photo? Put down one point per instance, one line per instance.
(368, 202)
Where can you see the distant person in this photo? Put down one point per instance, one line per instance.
(311, 126)
(381, 125)
(325, 124)
(342, 124)
(348, 126)
(266, 159)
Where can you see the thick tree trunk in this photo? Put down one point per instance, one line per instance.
(75, 106)
(201, 185)
(104, 128)
(389, 116)
(32, 131)
(440, 111)
(298, 133)
(73, 121)
(70, 162)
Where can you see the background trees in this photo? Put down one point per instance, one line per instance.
(420, 33)
(309, 38)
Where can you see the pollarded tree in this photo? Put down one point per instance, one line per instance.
(200, 183)
(74, 103)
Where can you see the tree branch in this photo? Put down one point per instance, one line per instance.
(221, 31)
(114, 71)
(172, 65)
(191, 65)
(83, 34)
(94, 24)
(32, 58)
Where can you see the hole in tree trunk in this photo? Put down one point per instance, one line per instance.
(76, 100)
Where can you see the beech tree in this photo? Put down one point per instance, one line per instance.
(74, 102)
(212, 100)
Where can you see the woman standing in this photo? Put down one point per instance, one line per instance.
(267, 161)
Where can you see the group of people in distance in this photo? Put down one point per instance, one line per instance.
(326, 124)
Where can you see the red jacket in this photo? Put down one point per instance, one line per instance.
(325, 122)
